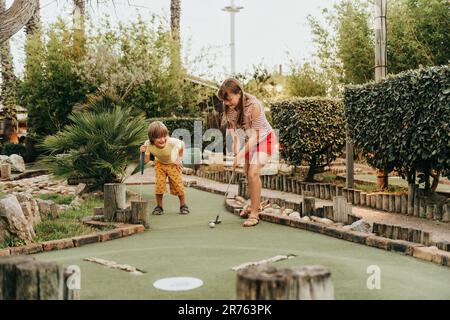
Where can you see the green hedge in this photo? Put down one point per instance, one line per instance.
(180, 123)
(310, 130)
(403, 122)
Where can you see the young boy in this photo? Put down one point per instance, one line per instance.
(168, 153)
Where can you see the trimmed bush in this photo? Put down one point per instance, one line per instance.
(403, 122)
(311, 130)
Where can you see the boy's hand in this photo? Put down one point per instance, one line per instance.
(179, 163)
(143, 148)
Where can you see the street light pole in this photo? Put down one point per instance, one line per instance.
(232, 9)
(380, 9)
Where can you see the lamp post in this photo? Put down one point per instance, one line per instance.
(232, 9)
(380, 9)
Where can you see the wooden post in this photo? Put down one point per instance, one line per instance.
(340, 191)
(114, 198)
(140, 213)
(422, 209)
(379, 201)
(416, 200)
(363, 199)
(309, 205)
(350, 195)
(385, 202)
(411, 188)
(345, 193)
(24, 278)
(397, 203)
(5, 171)
(392, 203)
(356, 197)
(429, 214)
(446, 212)
(269, 283)
(437, 214)
(404, 203)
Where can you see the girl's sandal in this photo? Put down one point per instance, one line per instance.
(253, 220)
(245, 212)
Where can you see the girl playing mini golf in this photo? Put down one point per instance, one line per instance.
(245, 113)
(168, 153)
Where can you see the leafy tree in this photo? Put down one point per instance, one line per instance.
(51, 87)
(306, 81)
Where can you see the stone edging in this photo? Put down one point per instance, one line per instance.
(393, 203)
(120, 230)
(401, 246)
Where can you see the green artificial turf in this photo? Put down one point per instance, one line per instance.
(180, 245)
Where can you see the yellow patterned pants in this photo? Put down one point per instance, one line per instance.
(162, 171)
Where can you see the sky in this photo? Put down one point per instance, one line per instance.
(268, 32)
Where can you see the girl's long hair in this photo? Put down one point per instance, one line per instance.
(232, 85)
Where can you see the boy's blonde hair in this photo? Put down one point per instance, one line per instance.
(156, 130)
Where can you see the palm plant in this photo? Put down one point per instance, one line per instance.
(97, 145)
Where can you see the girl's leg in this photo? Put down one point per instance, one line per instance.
(254, 185)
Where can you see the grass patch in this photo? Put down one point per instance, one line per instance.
(11, 241)
(68, 224)
(57, 198)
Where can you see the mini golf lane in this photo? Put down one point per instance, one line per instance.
(185, 246)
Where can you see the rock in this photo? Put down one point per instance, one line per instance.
(288, 211)
(4, 159)
(13, 221)
(326, 221)
(348, 227)
(269, 210)
(276, 211)
(361, 226)
(47, 208)
(305, 218)
(239, 199)
(76, 202)
(81, 188)
(30, 208)
(63, 207)
(295, 215)
(339, 224)
(17, 163)
(275, 206)
(315, 219)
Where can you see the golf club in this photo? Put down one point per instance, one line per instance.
(212, 223)
(142, 160)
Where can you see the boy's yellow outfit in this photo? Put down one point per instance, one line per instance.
(165, 166)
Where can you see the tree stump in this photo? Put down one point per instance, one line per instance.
(140, 213)
(269, 283)
(24, 278)
(5, 171)
(114, 198)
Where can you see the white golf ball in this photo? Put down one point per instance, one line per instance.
(212, 224)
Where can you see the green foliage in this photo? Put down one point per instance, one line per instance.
(417, 36)
(57, 198)
(51, 87)
(306, 81)
(11, 241)
(310, 130)
(96, 145)
(68, 224)
(13, 148)
(139, 63)
(403, 123)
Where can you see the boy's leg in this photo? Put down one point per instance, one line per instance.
(161, 177)
(177, 186)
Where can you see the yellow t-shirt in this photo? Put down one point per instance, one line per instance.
(168, 154)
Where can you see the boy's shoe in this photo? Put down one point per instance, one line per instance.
(184, 209)
(158, 210)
